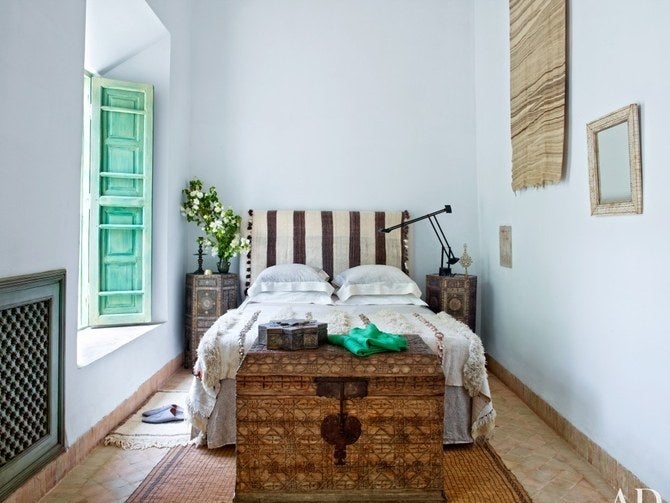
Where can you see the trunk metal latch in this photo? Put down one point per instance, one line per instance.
(341, 429)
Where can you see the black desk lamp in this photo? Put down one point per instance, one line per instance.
(446, 249)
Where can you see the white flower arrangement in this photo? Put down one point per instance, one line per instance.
(220, 224)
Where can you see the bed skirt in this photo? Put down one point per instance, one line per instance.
(221, 424)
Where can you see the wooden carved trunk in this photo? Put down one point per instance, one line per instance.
(325, 425)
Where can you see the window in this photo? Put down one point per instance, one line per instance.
(115, 264)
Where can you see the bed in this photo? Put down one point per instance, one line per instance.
(294, 259)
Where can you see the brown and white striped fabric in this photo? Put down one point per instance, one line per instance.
(329, 240)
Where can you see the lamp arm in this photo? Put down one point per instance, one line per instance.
(446, 209)
(450, 254)
(446, 249)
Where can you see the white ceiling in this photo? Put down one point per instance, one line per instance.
(117, 30)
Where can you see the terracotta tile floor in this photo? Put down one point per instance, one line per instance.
(548, 468)
(545, 464)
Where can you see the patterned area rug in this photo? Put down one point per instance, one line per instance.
(473, 474)
(134, 434)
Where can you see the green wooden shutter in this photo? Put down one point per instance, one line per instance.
(120, 217)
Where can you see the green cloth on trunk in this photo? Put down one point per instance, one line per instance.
(368, 340)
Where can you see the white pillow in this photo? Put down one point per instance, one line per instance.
(291, 278)
(358, 300)
(322, 298)
(374, 280)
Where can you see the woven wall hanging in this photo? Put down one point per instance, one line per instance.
(537, 91)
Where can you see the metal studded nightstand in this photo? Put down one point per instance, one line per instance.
(456, 295)
(208, 296)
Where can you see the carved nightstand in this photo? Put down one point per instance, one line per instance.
(456, 295)
(208, 296)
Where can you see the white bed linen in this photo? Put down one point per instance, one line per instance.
(469, 412)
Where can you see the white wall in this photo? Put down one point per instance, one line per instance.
(42, 57)
(117, 30)
(41, 102)
(339, 104)
(580, 318)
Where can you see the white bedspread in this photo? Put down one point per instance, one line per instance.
(223, 346)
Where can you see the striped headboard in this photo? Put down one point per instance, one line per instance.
(329, 240)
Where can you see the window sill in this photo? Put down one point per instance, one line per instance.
(94, 343)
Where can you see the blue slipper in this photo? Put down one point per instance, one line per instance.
(167, 416)
(152, 412)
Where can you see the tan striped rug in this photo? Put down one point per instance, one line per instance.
(473, 474)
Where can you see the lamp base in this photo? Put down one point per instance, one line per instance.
(445, 271)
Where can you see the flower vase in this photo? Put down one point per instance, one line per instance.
(223, 265)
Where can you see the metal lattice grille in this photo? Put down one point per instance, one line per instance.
(24, 377)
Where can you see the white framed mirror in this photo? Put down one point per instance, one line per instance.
(615, 167)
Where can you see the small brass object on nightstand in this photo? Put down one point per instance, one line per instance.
(466, 260)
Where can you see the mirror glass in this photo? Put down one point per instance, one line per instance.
(614, 164)
(615, 169)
